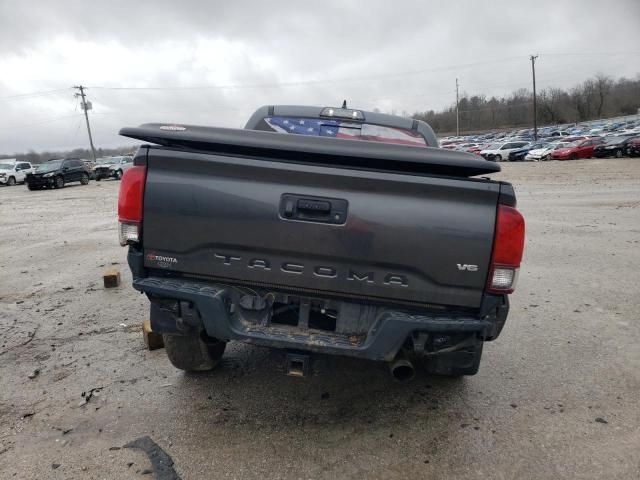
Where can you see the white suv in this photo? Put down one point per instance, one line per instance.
(500, 151)
(14, 172)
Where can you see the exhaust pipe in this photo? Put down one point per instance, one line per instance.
(402, 369)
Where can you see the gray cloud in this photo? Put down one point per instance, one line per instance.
(367, 44)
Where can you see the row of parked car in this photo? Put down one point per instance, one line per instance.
(601, 128)
(56, 173)
(615, 140)
(571, 148)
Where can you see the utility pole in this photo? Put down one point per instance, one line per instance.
(535, 100)
(457, 111)
(86, 107)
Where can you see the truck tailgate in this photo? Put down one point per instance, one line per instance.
(400, 238)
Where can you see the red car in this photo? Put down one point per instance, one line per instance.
(575, 150)
(476, 149)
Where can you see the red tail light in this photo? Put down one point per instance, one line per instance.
(130, 204)
(507, 250)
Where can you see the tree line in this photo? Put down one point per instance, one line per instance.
(595, 98)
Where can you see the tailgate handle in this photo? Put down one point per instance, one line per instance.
(313, 209)
(317, 206)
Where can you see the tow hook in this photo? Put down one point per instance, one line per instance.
(297, 364)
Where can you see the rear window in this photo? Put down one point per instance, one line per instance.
(319, 127)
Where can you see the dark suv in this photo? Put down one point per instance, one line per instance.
(57, 173)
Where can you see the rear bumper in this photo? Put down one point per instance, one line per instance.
(203, 306)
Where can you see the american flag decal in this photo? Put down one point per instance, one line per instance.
(345, 129)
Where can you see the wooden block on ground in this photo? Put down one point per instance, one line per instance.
(111, 278)
(152, 340)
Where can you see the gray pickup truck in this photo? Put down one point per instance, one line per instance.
(325, 230)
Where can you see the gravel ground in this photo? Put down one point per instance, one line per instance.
(556, 395)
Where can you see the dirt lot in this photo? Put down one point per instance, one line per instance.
(556, 396)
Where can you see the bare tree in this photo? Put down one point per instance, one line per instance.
(550, 102)
(589, 100)
(603, 86)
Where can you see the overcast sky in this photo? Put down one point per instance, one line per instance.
(214, 62)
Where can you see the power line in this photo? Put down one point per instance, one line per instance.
(33, 94)
(501, 107)
(50, 120)
(75, 132)
(589, 54)
(489, 89)
(311, 82)
(345, 79)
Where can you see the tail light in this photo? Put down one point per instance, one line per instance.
(130, 204)
(507, 250)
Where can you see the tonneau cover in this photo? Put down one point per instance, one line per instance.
(334, 152)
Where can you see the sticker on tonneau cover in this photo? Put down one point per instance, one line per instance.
(173, 128)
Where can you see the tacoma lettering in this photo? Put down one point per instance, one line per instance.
(320, 271)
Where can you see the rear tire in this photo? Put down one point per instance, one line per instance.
(191, 353)
(84, 180)
(59, 182)
(497, 158)
(118, 174)
(11, 181)
(455, 364)
(618, 153)
(573, 157)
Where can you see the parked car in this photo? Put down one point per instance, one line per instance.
(477, 149)
(464, 147)
(14, 172)
(57, 173)
(630, 131)
(612, 147)
(520, 154)
(559, 133)
(188, 207)
(501, 150)
(633, 147)
(576, 150)
(543, 154)
(112, 167)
